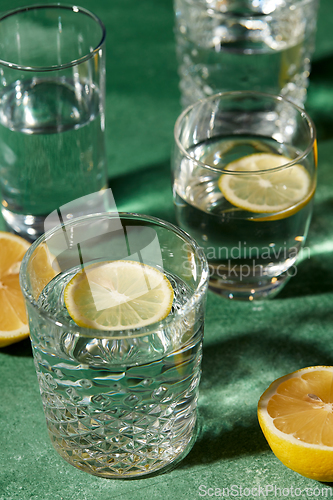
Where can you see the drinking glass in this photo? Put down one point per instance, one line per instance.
(232, 45)
(118, 403)
(252, 247)
(52, 92)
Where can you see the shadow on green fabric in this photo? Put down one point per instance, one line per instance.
(236, 363)
(149, 187)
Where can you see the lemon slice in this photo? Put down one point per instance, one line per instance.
(118, 295)
(296, 416)
(267, 192)
(13, 319)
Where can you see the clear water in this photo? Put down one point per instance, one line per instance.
(51, 145)
(118, 407)
(220, 49)
(244, 252)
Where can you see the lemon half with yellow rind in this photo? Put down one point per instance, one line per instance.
(262, 191)
(117, 295)
(296, 416)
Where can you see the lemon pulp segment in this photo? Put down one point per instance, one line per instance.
(13, 319)
(42, 268)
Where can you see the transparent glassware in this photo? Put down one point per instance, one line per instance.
(52, 100)
(251, 254)
(118, 403)
(231, 45)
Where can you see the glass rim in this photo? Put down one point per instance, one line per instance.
(196, 295)
(56, 67)
(254, 14)
(248, 93)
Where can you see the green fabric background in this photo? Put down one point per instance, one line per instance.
(246, 346)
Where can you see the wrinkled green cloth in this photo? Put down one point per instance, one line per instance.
(246, 346)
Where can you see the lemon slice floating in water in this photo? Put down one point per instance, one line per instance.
(118, 295)
(266, 192)
(296, 416)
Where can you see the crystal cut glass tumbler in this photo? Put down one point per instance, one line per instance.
(230, 45)
(118, 403)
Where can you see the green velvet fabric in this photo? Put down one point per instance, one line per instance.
(246, 345)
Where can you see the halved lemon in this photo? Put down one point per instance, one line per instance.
(13, 319)
(266, 192)
(118, 295)
(296, 416)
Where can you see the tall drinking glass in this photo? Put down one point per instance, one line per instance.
(119, 401)
(244, 171)
(52, 92)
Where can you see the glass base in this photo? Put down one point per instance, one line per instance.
(158, 468)
(29, 227)
(248, 291)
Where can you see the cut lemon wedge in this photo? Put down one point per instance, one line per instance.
(260, 191)
(118, 295)
(13, 319)
(296, 416)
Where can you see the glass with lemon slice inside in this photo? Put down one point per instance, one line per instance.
(244, 170)
(116, 314)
